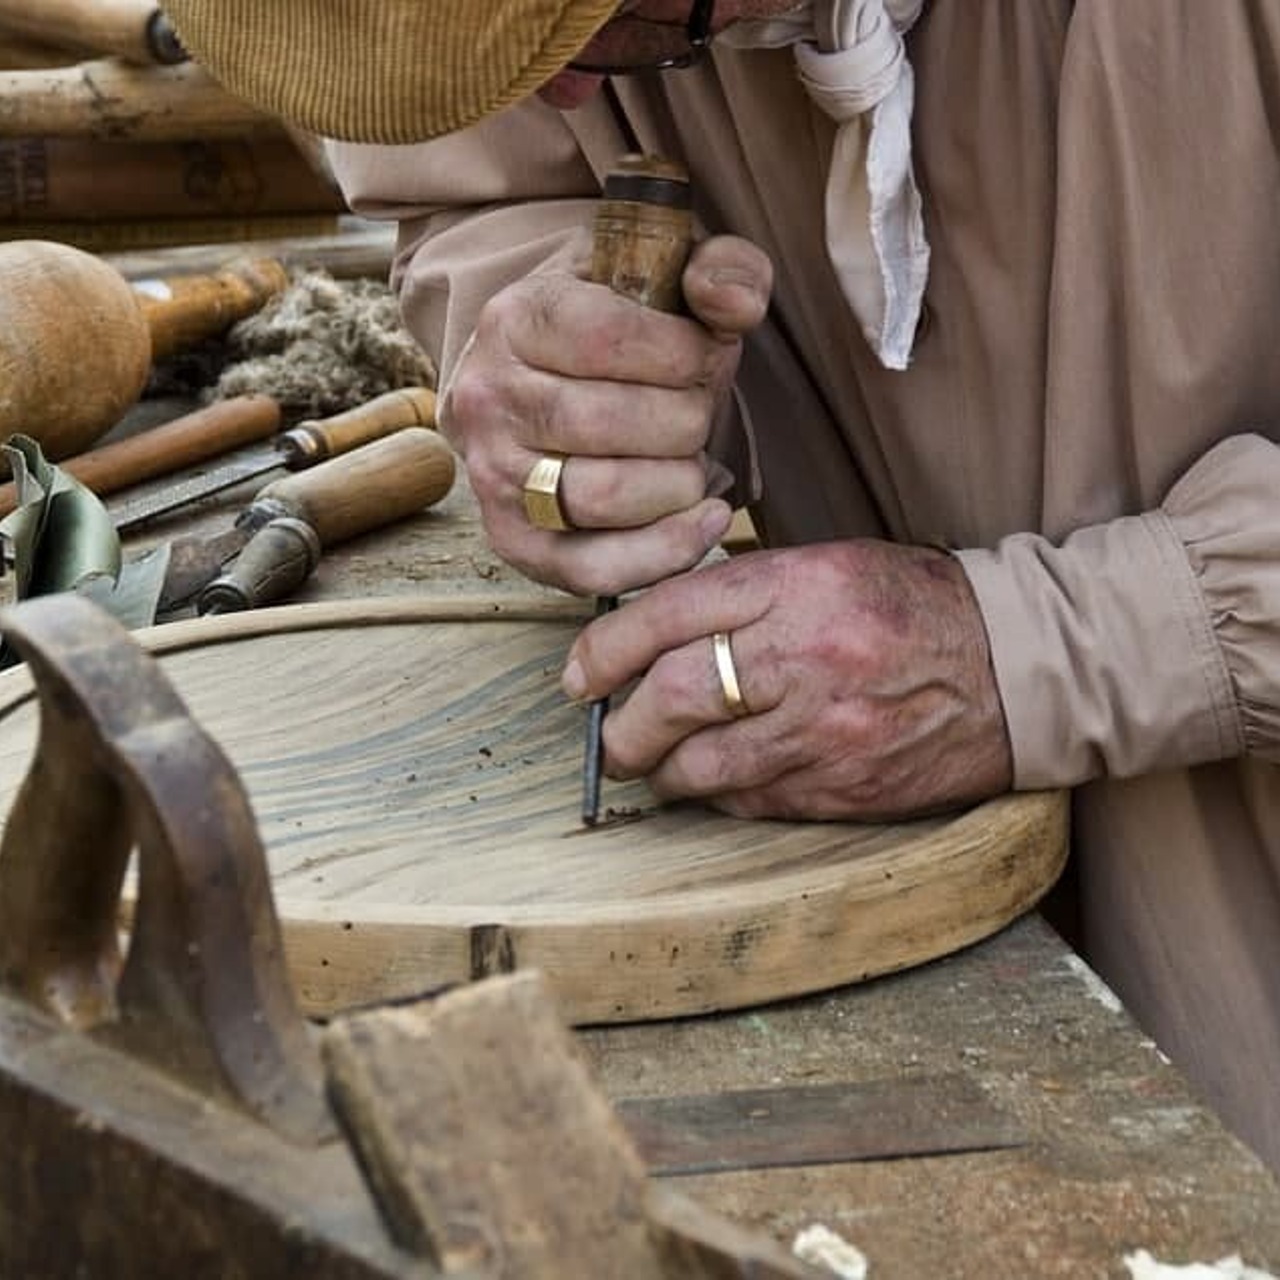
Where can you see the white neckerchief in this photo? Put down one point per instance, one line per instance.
(851, 61)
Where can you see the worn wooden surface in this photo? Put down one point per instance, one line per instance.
(362, 250)
(457, 1141)
(116, 1172)
(484, 1142)
(415, 772)
(1121, 1155)
(493, 1150)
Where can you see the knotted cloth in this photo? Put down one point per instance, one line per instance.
(852, 62)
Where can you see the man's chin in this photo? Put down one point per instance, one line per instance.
(568, 89)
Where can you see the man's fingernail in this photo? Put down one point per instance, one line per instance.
(574, 681)
(740, 276)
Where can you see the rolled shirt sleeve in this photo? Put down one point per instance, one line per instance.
(476, 209)
(1148, 642)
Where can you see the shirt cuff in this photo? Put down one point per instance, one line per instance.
(1104, 653)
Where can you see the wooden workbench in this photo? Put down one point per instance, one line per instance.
(1115, 1153)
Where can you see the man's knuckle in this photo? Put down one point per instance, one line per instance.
(488, 481)
(626, 759)
(670, 680)
(592, 574)
(539, 304)
(554, 408)
(474, 400)
(498, 315)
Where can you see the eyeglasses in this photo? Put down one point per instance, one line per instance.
(627, 43)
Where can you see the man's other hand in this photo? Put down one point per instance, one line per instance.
(864, 667)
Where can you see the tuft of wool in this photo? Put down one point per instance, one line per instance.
(323, 346)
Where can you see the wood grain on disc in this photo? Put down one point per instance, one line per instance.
(416, 774)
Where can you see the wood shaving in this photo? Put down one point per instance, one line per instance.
(324, 345)
(1142, 1266)
(822, 1247)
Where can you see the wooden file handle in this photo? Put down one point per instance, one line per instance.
(319, 438)
(372, 486)
(183, 311)
(643, 231)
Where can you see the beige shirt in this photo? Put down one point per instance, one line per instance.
(1091, 418)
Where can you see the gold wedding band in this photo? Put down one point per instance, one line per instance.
(734, 702)
(541, 491)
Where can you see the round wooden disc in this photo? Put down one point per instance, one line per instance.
(416, 774)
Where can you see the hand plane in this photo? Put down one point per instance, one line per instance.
(167, 1111)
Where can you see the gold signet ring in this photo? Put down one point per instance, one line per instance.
(734, 702)
(542, 494)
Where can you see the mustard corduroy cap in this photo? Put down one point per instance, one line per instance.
(385, 70)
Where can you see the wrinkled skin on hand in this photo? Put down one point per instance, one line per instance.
(560, 365)
(865, 666)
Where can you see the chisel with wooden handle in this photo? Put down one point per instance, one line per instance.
(280, 535)
(303, 445)
(641, 238)
(183, 311)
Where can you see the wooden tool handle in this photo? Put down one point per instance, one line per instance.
(643, 231)
(134, 30)
(109, 99)
(206, 433)
(275, 562)
(17, 53)
(372, 486)
(320, 438)
(186, 310)
(641, 238)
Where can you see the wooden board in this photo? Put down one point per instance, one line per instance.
(416, 772)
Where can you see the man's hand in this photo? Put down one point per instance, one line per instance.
(627, 395)
(864, 666)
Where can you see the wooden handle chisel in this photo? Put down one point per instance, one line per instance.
(641, 238)
(302, 445)
(279, 537)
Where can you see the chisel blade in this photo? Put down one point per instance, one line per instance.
(791, 1125)
(247, 465)
(195, 562)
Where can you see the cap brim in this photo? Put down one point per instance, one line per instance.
(388, 71)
